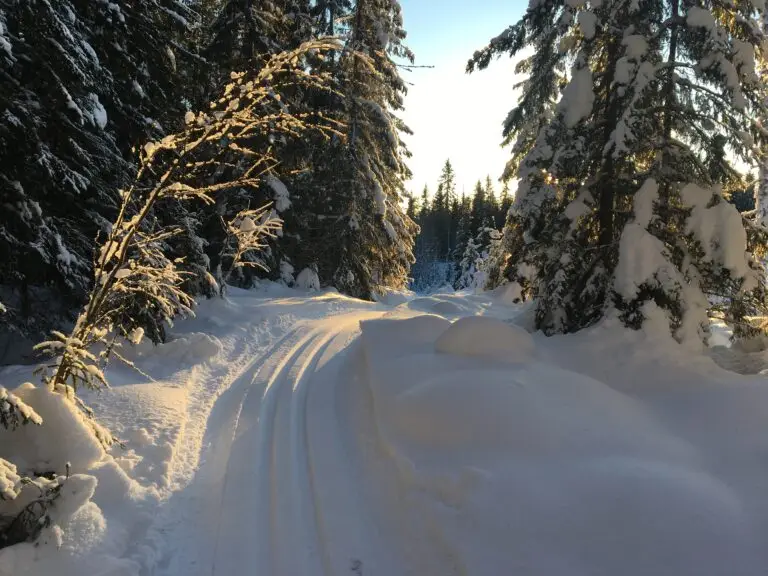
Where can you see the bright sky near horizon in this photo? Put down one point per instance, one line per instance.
(453, 114)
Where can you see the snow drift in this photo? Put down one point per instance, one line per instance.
(287, 434)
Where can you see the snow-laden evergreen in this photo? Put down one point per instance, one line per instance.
(352, 200)
(86, 85)
(656, 92)
(81, 83)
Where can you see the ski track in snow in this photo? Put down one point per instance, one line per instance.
(253, 502)
(280, 441)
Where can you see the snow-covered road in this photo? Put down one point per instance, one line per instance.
(259, 492)
(292, 435)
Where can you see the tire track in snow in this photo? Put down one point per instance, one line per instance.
(239, 542)
(271, 517)
(275, 505)
(277, 493)
(291, 536)
(315, 553)
(194, 512)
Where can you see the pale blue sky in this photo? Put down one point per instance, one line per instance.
(455, 115)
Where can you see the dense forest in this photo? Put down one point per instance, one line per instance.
(155, 153)
(456, 232)
(86, 85)
(624, 103)
(625, 138)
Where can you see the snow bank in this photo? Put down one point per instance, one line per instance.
(308, 280)
(394, 297)
(38, 448)
(179, 351)
(450, 305)
(606, 452)
(445, 308)
(94, 487)
(613, 515)
(435, 306)
(486, 337)
(509, 294)
(426, 398)
(555, 472)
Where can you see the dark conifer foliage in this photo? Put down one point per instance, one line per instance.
(353, 201)
(450, 225)
(86, 84)
(619, 141)
(81, 83)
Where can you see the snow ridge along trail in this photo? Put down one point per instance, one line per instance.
(296, 435)
(256, 498)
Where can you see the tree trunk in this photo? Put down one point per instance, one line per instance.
(761, 189)
(606, 190)
(761, 193)
(669, 101)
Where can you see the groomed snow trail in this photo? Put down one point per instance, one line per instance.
(317, 435)
(256, 499)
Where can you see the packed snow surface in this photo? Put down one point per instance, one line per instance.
(284, 432)
(486, 337)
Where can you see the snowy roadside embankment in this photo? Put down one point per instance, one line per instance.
(515, 463)
(114, 513)
(285, 433)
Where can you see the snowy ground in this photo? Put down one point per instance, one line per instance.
(285, 434)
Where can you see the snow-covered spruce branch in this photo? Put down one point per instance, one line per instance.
(14, 412)
(137, 288)
(34, 500)
(22, 517)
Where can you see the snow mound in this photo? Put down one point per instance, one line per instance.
(487, 337)
(614, 515)
(545, 469)
(191, 348)
(391, 297)
(38, 447)
(445, 307)
(435, 306)
(509, 294)
(308, 280)
(424, 303)
(390, 335)
(195, 346)
(95, 487)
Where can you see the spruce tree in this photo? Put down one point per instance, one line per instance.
(424, 204)
(412, 207)
(81, 84)
(453, 230)
(367, 170)
(463, 237)
(491, 202)
(330, 15)
(505, 203)
(245, 32)
(605, 185)
(479, 206)
(441, 222)
(448, 183)
(468, 265)
(484, 236)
